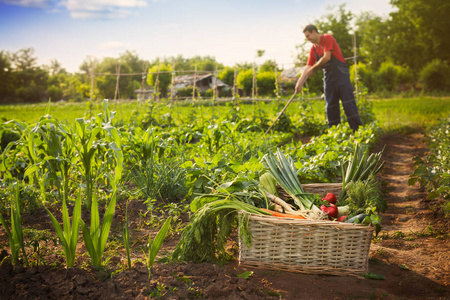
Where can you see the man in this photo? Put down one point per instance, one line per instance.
(325, 53)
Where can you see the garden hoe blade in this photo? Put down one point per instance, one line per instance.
(281, 112)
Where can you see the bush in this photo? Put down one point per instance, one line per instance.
(435, 76)
(227, 76)
(245, 81)
(55, 93)
(186, 92)
(392, 77)
(365, 76)
(266, 83)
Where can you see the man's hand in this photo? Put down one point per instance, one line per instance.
(307, 72)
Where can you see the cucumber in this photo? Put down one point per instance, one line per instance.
(360, 218)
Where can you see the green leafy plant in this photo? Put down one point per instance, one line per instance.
(95, 239)
(155, 244)
(68, 235)
(126, 236)
(15, 235)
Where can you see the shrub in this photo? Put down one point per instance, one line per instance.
(389, 76)
(227, 76)
(435, 76)
(245, 81)
(266, 83)
(186, 92)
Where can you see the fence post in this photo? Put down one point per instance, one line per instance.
(92, 79)
(195, 83)
(356, 69)
(116, 93)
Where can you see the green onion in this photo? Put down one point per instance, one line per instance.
(282, 168)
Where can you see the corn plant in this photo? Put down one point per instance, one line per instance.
(93, 147)
(126, 237)
(155, 245)
(15, 235)
(95, 239)
(50, 149)
(68, 235)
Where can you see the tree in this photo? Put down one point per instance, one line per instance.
(338, 24)
(245, 81)
(6, 78)
(24, 59)
(160, 77)
(227, 76)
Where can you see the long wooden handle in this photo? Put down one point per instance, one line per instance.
(281, 112)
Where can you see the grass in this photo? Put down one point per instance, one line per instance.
(400, 114)
(394, 114)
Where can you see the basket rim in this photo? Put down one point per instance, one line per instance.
(324, 223)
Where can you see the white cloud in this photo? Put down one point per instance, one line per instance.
(103, 9)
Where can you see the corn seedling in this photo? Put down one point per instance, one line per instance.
(15, 235)
(95, 239)
(68, 235)
(155, 245)
(126, 237)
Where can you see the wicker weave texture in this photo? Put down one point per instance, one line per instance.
(314, 247)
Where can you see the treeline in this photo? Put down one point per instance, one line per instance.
(407, 51)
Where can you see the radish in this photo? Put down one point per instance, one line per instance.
(331, 211)
(330, 198)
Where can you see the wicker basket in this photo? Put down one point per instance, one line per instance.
(315, 247)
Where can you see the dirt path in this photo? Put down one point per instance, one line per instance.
(410, 252)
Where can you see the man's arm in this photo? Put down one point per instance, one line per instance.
(322, 61)
(309, 70)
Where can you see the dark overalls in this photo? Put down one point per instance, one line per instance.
(337, 85)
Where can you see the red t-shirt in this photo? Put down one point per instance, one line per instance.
(327, 43)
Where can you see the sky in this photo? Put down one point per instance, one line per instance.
(231, 31)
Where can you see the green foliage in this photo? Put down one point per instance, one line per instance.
(160, 77)
(15, 235)
(245, 81)
(389, 76)
(155, 244)
(433, 171)
(365, 197)
(266, 83)
(95, 239)
(126, 236)
(338, 23)
(227, 76)
(68, 235)
(435, 76)
(187, 92)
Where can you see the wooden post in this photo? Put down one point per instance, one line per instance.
(215, 83)
(356, 69)
(92, 80)
(155, 92)
(173, 80)
(253, 83)
(195, 83)
(234, 91)
(276, 82)
(144, 76)
(116, 93)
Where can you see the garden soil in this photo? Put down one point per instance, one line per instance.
(411, 252)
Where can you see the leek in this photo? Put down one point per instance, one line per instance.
(282, 168)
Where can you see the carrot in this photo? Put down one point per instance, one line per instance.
(281, 215)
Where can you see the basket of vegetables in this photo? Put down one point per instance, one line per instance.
(319, 228)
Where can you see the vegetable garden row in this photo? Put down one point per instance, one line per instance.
(220, 165)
